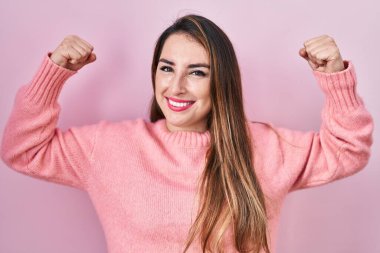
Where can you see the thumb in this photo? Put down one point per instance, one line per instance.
(91, 58)
(302, 52)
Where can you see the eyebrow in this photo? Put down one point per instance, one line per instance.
(196, 65)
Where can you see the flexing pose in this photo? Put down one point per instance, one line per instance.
(198, 177)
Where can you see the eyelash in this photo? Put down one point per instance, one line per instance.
(200, 73)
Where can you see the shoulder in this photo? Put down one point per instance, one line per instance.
(269, 132)
(261, 131)
(131, 127)
(138, 128)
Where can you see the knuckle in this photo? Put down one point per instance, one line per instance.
(67, 41)
(72, 38)
(329, 38)
(64, 47)
(86, 49)
(69, 37)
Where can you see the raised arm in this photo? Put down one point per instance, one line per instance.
(32, 144)
(340, 148)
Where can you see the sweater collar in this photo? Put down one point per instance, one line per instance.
(182, 138)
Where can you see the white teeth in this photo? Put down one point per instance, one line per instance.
(179, 104)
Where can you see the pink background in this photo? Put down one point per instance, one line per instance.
(38, 216)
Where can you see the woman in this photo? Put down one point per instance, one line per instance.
(199, 177)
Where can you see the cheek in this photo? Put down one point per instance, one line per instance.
(158, 86)
(208, 95)
(205, 92)
(160, 83)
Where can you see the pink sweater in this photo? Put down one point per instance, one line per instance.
(141, 178)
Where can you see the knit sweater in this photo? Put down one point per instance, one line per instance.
(142, 178)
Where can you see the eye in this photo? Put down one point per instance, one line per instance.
(166, 69)
(198, 73)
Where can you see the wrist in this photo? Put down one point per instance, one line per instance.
(58, 64)
(58, 60)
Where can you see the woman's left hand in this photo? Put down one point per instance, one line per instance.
(322, 54)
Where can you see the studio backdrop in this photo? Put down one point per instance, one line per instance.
(279, 87)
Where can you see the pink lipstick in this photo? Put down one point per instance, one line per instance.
(178, 105)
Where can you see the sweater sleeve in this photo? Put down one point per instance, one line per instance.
(340, 148)
(33, 145)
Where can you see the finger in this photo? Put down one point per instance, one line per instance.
(313, 65)
(317, 60)
(82, 41)
(84, 50)
(85, 46)
(310, 57)
(312, 48)
(328, 54)
(319, 54)
(316, 47)
(329, 48)
(84, 54)
(323, 45)
(74, 39)
(315, 39)
(73, 55)
(327, 44)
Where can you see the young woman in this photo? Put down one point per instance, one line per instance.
(199, 177)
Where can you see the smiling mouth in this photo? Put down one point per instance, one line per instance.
(179, 106)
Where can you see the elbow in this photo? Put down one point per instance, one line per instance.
(365, 147)
(356, 159)
(364, 157)
(6, 153)
(6, 156)
(13, 157)
(360, 151)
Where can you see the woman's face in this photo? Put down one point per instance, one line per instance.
(183, 84)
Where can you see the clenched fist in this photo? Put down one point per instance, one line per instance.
(73, 53)
(322, 54)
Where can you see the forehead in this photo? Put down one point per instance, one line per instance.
(182, 48)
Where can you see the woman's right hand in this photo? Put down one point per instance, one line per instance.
(73, 53)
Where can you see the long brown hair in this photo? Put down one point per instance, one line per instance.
(229, 190)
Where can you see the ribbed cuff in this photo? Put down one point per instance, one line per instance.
(47, 83)
(340, 88)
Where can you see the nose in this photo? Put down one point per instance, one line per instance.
(178, 84)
